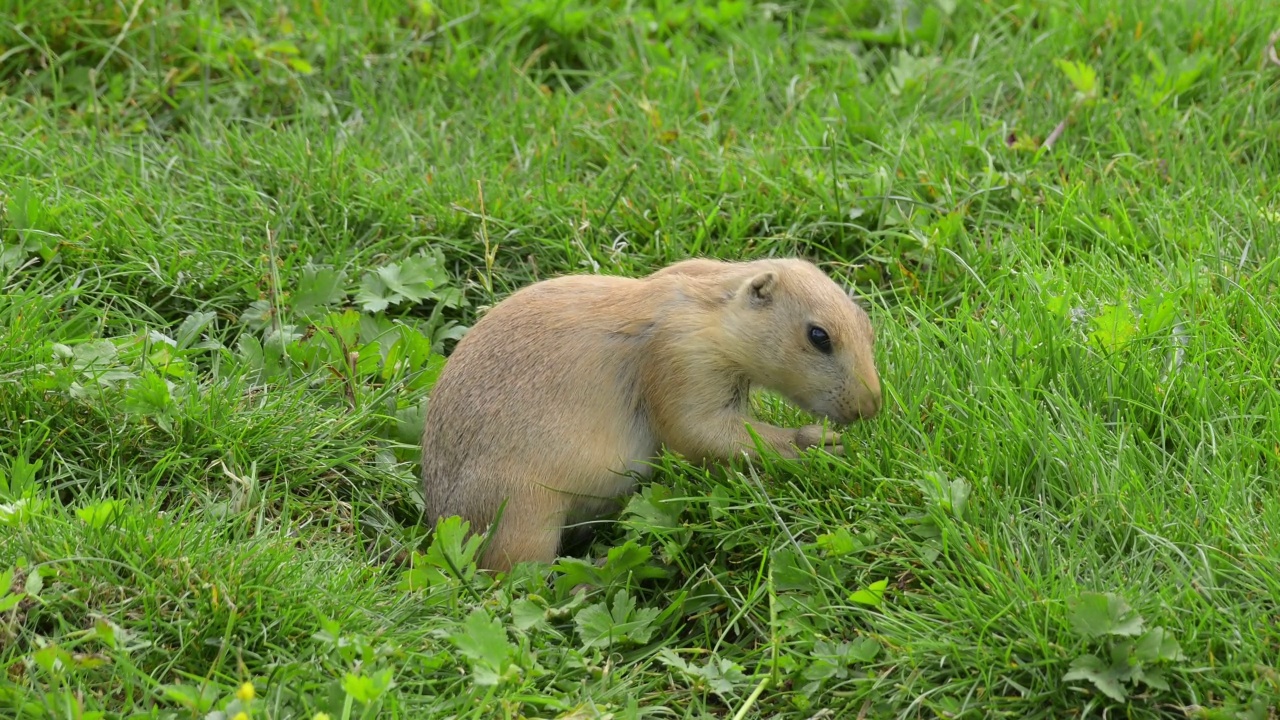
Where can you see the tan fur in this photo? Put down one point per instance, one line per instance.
(560, 395)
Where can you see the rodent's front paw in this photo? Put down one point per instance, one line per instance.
(815, 436)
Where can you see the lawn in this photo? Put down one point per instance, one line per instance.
(240, 239)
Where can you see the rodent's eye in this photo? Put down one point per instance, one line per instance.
(819, 338)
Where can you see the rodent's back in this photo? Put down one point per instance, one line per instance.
(541, 374)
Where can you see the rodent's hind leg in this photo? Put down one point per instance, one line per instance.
(528, 531)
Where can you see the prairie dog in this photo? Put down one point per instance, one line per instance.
(558, 398)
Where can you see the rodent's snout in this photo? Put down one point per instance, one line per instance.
(866, 403)
(866, 409)
(862, 407)
(871, 405)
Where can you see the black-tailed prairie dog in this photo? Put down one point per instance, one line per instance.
(559, 397)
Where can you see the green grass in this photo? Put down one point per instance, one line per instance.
(207, 208)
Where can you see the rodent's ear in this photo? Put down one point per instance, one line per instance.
(760, 288)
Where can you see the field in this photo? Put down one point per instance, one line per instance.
(241, 238)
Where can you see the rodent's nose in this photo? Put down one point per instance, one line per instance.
(870, 405)
(877, 402)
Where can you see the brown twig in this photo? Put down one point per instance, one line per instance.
(490, 252)
(1057, 133)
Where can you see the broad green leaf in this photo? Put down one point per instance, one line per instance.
(904, 31)
(1114, 327)
(166, 359)
(719, 675)
(417, 349)
(654, 508)
(380, 329)
(22, 510)
(1083, 77)
(53, 659)
(368, 359)
(454, 546)
(838, 543)
(420, 575)
(908, 71)
(249, 351)
(199, 698)
(1158, 644)
(1095, 614)
(1190, 68)
(1153, 677)
(600, 625)
(345, 326)
(834, 659)
(413, 280)
(393, 359)
(960, 490)
(20, 481)
(149, 396)
(24, 206)
(94, 354)
(482, 640)
(410, 421)
(453, 550)
(105, 631)
(190, 329)
(789, 572)
(367, 688)
(1158, 313)
(526, 614)
(374, 296)
(863, 650)
(1090, 615)
(450, 297)
(258, 315)
(100, 514)
(34, 583)
(823, 669)
(430, 373)
(8, 600)
(319, 287)
(1059, 305)
(283, 47)
(1093, 669)
(872, 594)
(627, 562)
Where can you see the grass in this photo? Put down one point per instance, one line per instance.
(240, 238)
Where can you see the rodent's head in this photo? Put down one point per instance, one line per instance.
(801, 335)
